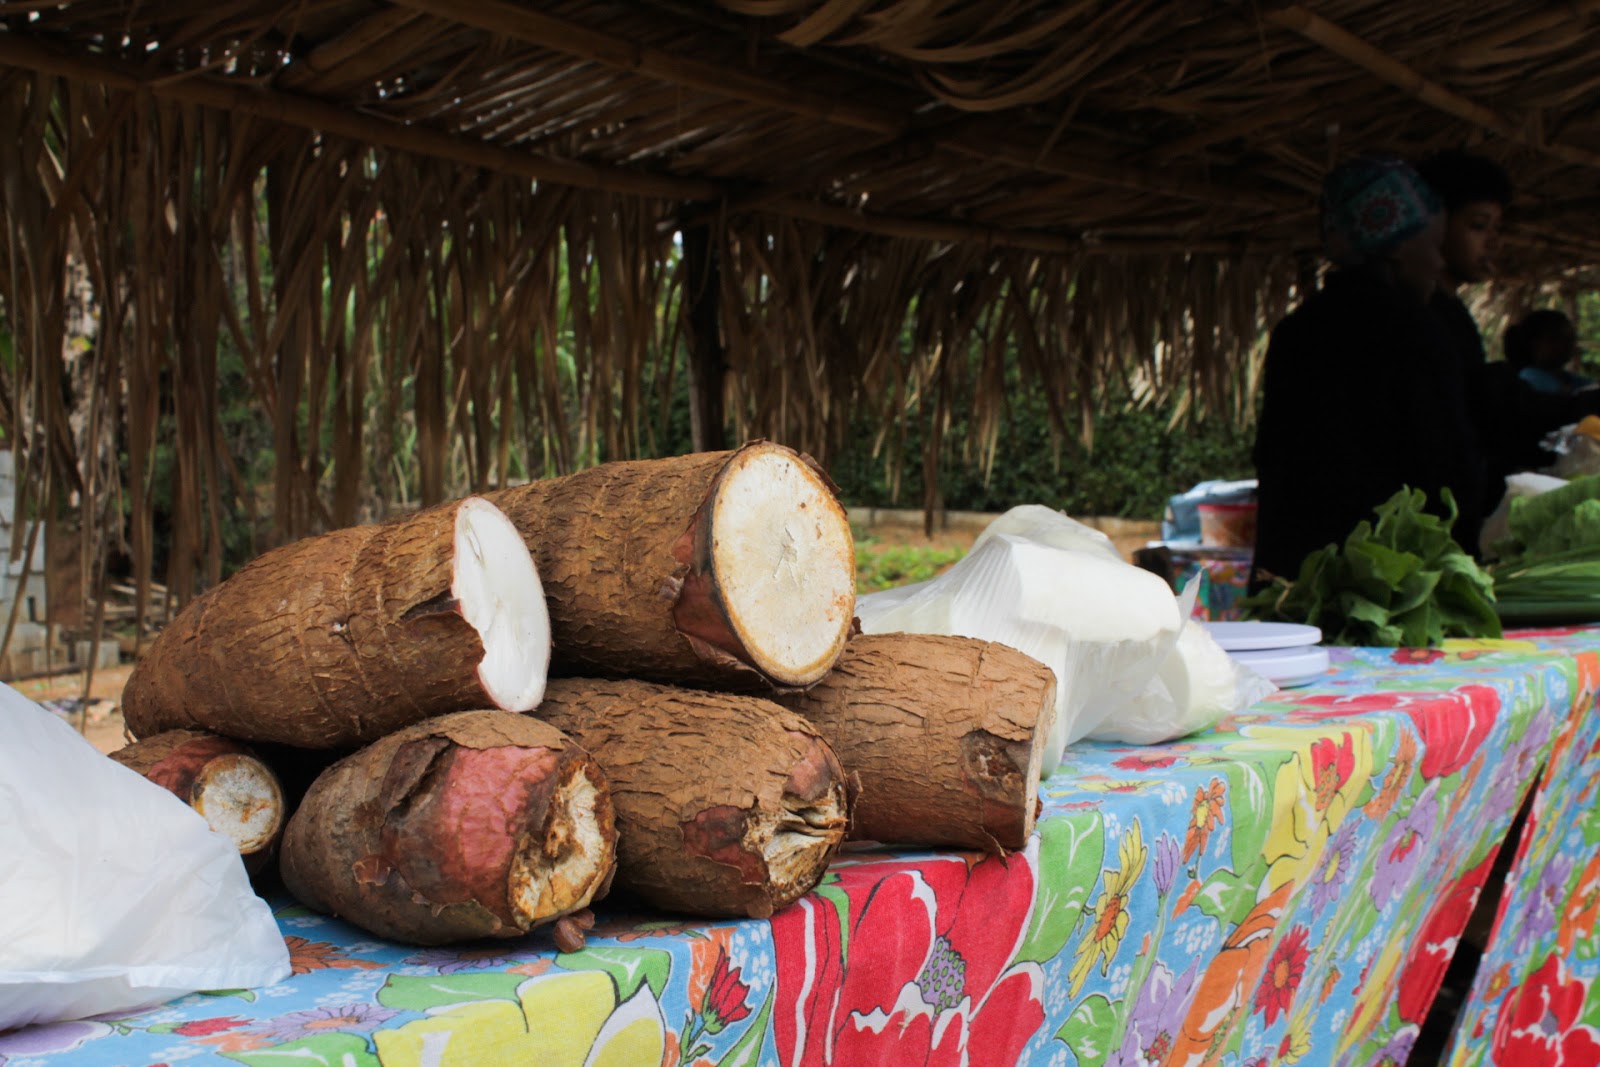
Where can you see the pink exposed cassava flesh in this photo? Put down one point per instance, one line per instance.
(475, 824)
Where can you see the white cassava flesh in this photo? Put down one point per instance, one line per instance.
(338, 640)
(540, 888)
(784, 564)
(497, 586)
(241, 800)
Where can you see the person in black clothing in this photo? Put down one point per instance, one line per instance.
(1509, 415)
(1363, 392)
(1543, 346)
(1476, 191)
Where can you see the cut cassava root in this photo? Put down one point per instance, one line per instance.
(721, 569)
(237, 794)
(727, 805)
(943, 734)
(336, 640)
(475, 824)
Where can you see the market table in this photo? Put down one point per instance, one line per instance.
(1287, 888)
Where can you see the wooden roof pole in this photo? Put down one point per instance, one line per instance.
(545, 31)
(708, 360)
(308, 113)
(210, 91)
(532, 27)
(1481, 48)
(1342, 42)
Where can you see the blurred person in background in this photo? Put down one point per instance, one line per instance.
(1543, 346)
(1509, 420)
(1363, 391)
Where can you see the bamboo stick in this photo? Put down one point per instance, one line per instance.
(545, 31)
(1343, 43)
(213, 92)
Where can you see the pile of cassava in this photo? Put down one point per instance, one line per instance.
(479, 718)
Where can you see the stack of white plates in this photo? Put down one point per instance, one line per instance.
(1285, 653)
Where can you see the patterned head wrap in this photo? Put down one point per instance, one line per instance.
(1372, 204)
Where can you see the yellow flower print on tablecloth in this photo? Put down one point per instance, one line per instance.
(1296, 1039)
(1108, 919)
(1458, 645)
(1376, 987)
(1315, 789)
(565, 1019)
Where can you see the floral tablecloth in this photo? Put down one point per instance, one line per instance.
(1287, 888)
(1535, 1000)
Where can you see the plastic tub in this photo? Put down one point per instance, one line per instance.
(1228, 525)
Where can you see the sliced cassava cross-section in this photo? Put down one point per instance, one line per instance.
(727, 804)
(719, 569)
(225, 781)
(943, 734)
(474, 824)
(338, 639)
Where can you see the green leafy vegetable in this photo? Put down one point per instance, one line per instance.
(1403, 581)
(1552, 559)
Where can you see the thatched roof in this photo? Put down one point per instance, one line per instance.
(1111, 193)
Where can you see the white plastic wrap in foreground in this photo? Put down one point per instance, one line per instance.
(115, 894)
(1056, 590)
(1193, 688)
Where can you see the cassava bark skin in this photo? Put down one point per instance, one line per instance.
(626, 553)
(727, 805)
(471, 825)
(942, 735)
(329, 642)
(205, 772)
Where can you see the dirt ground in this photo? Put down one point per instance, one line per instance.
(102, 724)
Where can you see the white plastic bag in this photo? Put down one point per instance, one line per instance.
(114, 894)
(1194, 687)
(1058, 591)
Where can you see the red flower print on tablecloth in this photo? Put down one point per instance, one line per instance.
(1436, 943)
(1317, 707)
(1204, 817)
(206, 1027)
(1284, 971)
(1332, 763)
(1538, 1022)
(1154, 760)
(926, 975)
(1452, 725)
(1416, 655)
(725, 1000)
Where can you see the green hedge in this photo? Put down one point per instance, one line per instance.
(1137, 461)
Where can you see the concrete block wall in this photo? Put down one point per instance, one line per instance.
(12, 583)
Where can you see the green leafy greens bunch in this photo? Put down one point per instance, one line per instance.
(1551, 563)
(1402, 581)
